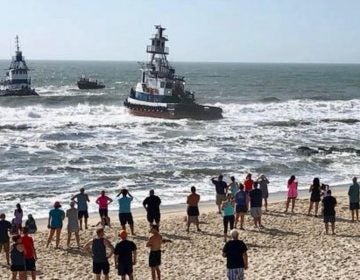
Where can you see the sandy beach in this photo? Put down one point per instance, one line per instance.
(291, 246)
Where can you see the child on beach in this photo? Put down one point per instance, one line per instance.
(31, 224)
(154, 243)
(228, 219)
(329, 203)
(18, 214)
(315, 196)
(292, 193)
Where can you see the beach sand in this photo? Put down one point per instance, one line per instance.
(291, 246)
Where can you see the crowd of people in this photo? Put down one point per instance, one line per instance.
(233, 200)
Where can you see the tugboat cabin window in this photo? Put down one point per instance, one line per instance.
(162, 84)
(168, 85)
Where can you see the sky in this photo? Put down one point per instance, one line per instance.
(300, 31)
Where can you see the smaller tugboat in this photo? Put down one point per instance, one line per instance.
(87, 83)
(17, 81)
(162, 94)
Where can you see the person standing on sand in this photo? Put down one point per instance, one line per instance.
(125, 216)
(73, 224)
(263, 183)
(193, 209)
(235, 252)
(228, 219)
(292, 193)
(255, 205)
(248, 184)
(152, 207)
(233, 186)
(5, 227)
(354, 199)
(221, 190)
(97, 247)
(103, 201)
(82, 199)
(55, 223)
(30, 253)
(18, 214)
(154, 243)
(17, 259)
(315, 196)
(329, 203)
(125, 256)
(241, 206)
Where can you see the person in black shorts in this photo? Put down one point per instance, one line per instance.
(5, 227)
(152, 207)
(17, 258)
(154, 243)
(315, 197)
(329, 203)
(125, 256)
(97, 247)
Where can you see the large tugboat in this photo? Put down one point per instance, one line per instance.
(17, 81)
(161, 93)
(87, 83)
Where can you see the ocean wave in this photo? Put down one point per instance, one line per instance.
(15, 127)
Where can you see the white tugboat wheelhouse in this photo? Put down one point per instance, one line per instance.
(17, 81)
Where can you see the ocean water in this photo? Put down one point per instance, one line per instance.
(52, 145)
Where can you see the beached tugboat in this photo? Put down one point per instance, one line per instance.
(161, 93)
(87, 83)
(17, 81)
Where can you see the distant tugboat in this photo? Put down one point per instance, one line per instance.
(87, 83)
(161, 93)
(17, 81)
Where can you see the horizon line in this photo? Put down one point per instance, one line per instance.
(186, 61)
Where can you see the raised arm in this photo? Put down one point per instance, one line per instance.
(109, 200)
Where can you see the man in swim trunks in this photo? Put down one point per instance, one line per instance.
(125, 216)
(152, 207)
(82, 200)
(125, 256)
(97, 247)
(221, 190)
(5, 227)
(154, 244)
(193, 209)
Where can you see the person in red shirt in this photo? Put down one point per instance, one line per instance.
(29, 253)
(249, 185)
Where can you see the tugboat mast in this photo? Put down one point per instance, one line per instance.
(17, 43)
